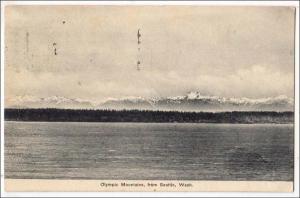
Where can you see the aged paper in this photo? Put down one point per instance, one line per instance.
(149, 98)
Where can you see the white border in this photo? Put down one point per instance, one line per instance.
(161, 194)
(2, 100)
(203, 3)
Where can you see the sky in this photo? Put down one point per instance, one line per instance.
(91, 52)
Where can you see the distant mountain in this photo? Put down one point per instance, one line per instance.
(51, 102)
(128, 103)
(193, 101)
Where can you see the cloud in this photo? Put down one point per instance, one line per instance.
(216, 50)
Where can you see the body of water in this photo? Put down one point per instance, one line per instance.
(142, 151)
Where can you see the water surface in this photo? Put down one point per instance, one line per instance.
(162, 151)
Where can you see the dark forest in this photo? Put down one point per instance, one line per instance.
(72, 115)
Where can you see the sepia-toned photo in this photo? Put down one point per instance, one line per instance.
(149, 98)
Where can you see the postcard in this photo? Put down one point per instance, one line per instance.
(149, 98)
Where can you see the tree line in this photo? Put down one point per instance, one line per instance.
(83, 115)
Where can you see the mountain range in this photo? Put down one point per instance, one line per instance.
(193, 101)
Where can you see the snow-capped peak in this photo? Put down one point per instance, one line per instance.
(51, 102)
(193, 95)
(192, 101)
(177, 98)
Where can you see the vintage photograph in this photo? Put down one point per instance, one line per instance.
(183, 93)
